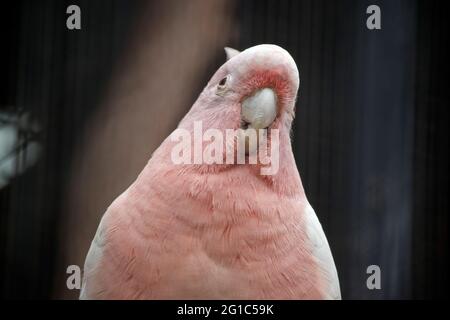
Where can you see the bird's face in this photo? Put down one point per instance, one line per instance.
(253, 89)
(252, 94)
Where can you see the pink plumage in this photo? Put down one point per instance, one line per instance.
(217, 231)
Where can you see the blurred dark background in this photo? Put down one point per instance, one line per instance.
(82, 110)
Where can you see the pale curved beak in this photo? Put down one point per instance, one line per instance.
(260, 109)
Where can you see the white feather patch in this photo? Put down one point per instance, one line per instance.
(321, 251)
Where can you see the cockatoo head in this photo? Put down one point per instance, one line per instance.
(253, 91)
(255, 88)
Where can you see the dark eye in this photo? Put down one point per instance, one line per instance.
(223, 81)
(223, 85)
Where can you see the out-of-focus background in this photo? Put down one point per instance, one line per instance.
(82, 110)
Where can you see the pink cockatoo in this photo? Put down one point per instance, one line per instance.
(219, 230)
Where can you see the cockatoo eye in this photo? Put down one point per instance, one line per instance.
(222, 82)
(222, 85)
